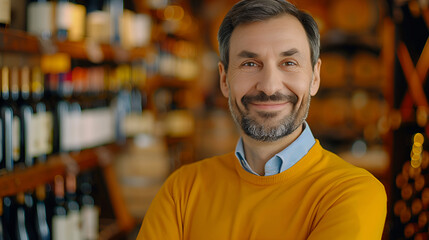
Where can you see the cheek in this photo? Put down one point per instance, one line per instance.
(299, 85)
(240, 86)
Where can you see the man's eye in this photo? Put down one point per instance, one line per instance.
(289, 63)
(250, 64)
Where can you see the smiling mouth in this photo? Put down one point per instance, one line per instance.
(268, 106)
(263, 102)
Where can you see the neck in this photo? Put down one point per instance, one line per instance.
(258, 153)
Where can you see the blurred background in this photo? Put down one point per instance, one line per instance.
(102, 99)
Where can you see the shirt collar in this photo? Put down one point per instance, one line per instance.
(284, 159)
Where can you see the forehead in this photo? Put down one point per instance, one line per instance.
(277, 34)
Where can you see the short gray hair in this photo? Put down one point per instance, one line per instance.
(247, 11)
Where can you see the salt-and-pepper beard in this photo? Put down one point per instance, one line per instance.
(257, 131)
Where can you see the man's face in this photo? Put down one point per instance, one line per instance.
(270, 77)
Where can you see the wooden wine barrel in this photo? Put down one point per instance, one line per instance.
(366, 70)
(354, 16)
(333, 71)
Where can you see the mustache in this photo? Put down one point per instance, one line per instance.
(262, 97)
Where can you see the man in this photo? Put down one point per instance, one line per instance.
(280, 183)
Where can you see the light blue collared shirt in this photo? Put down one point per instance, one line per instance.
(284, 159)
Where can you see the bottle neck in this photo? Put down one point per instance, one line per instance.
(25, 83)
(37, 85)
(14, 83)
(59, 188)
(41, 192)
(5, 83)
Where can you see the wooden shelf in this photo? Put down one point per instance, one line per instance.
(21, 180)
(18, 41)
(21, 42)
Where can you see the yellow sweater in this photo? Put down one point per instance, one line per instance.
(320, 197)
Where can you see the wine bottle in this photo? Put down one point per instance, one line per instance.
(18, 159)
(63, 17)
(9, 216)
(20, 225)
(40, 216)
(4, 231)
(26, 117)
(115, 9)
(59, 218)
(5, 13)
(42, 123)
(71, 137)
(97, 22)
(67, 114)
(7, 149)
(77, 26)
(7, 122)
(51, 86)
(40, 15)
(30, 211)
(73, 209)
(89, 212)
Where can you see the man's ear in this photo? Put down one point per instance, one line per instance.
(222, 77)
(315, 84)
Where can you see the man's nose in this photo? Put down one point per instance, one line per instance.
(270, 81)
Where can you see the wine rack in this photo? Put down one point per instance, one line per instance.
(406, 58)
(12, 40)
(24, 180)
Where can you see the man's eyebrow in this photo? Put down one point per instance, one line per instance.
(289, 52)
(247, 54)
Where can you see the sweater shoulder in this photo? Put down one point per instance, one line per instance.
(341, 170)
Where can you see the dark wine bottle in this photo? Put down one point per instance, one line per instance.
(40, 216)
(7, 120)
(26, 117)
(9, 216)
(4, 231)
(89, 211)
(20, 224)
(19, 160)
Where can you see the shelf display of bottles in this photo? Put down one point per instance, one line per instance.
(50, 116)
(72, 99)
(62, 209)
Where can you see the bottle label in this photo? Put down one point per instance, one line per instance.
(16, 138)
(97, 127)
(45, 133)
(40, 18)
(41, 133)
(89, 220)
(77, 26)
(73, 227)
(59, 227)
(5, 9)
(138, 123)
(34, 141)
(64, 15)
